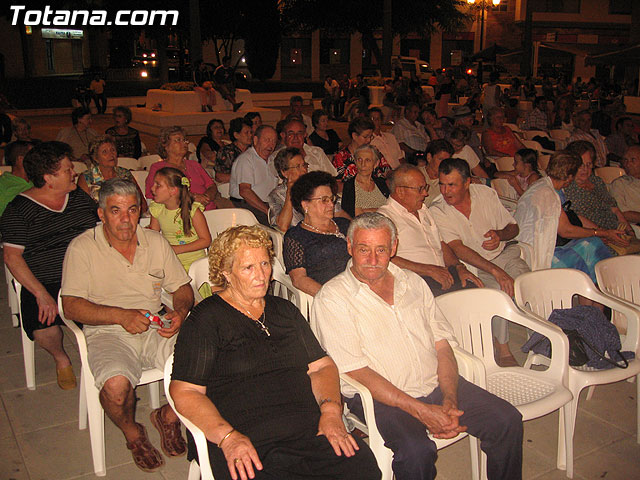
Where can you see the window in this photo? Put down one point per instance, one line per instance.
(620, 7)
(556, 6)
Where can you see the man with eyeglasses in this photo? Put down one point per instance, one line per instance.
(295, 135)
(251, 178)
(420, 246)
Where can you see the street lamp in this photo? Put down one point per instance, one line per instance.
(482, 5)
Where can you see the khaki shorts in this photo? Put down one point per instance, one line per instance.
(113, 351)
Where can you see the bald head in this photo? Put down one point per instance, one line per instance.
(409, 187)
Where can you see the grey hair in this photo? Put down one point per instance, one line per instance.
(367, 148)
(372, 221)
(163, 138)
(117, 186)
(400, 172)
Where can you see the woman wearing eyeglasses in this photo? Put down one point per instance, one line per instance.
(315, 250)
(173, 148)
(364, 192)
(290, 166)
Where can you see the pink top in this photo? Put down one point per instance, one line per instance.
(199, 178)
(504, 142)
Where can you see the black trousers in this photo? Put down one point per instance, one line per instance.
(437, 289)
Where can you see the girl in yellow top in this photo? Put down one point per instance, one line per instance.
(178, 217)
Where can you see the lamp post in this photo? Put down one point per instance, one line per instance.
(482, 5)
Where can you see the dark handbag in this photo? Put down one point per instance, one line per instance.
(578, 352)
(573, 219)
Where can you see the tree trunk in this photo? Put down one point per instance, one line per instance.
(387, 38)
(195, 37)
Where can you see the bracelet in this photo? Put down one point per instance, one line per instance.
(327, 400)
(595, 233)
(225, 437)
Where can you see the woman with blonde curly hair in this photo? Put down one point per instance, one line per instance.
(250, 373)
(173, 148)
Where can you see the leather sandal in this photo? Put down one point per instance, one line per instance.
(171, 441)
(66, 378)
(144, 454)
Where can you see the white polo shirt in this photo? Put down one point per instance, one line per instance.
(418, 240)
(413, 135)
(251, 168)
(389, 148)
(358, 329)
(487, 213)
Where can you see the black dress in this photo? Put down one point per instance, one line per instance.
(322, 256)
(328, 146)
(258, 383)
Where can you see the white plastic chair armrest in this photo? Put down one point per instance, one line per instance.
(470, 367)
(367, 407)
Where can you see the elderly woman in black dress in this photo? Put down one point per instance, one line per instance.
(250, 373)
(315, 250)
(37, 226)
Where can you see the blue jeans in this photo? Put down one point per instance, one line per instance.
(494, 421)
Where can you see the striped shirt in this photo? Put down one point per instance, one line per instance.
(44, 234)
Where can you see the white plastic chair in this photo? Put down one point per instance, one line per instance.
(620, 278)
(283, 287)
(609, 174)
(529, 134)
(199, 273)
(129, 163)
(90, 407)
(539, 292)
(140, 176)
(148, 160)
(467, 366)
(543, 162)
(196, 471)
(5, 168)
(28, 345)
(223, 189)
(533, 393)
(532, 144)
(560, 134)
(12, 298)
(504, 164)
(222, 218)
(79, 167)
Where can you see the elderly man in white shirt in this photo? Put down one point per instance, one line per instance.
(294, 137)
(420, 246)
(385, 141)
(390, 336)
(251, 178)
(626, 189)
(410, 133)
(477, 227)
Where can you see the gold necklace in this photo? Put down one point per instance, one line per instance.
(337, 233)
(263, 327)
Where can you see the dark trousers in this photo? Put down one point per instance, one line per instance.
(260, 215)
(100, 99)
(437, 289)
(311, 457)
(494, 421)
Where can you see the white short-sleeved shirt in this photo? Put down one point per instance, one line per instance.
(97, 272)
(251, 168)
(467, 154)
(626, 191)
(389, 148)
(487, 213)
(413, 135)
(358, 329)
(418, 240)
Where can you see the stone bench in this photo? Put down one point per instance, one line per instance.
(279, 99)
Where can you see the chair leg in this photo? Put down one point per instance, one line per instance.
(15, 320)
(194, 471)
(96, 430)
(638, 408)
(154, 394)
(590, 391)
(28, 351)
(568, 414)
(476, 470)
(82, 403)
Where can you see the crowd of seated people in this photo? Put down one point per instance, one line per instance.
(428, 217)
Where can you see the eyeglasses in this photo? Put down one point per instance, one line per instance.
(421, 189)
(179, 140)
(325, 199)
(302, 166)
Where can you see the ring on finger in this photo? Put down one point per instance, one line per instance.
(236, 460)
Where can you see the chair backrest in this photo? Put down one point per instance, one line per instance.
(283, 287)
(129, 163)
(504, 189)
(543, 162)
(87, 375)
(5, 168)
(513, 127)
(560, 134)
(504, 164)
(198, 435)
(199, 273)
(223, 189)
(148, 160)
(220, 219)
(140, 177)
(609, 174)
(529, 134)
(79, 167)
(532, 144)
(620, 277)
(543, 290)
